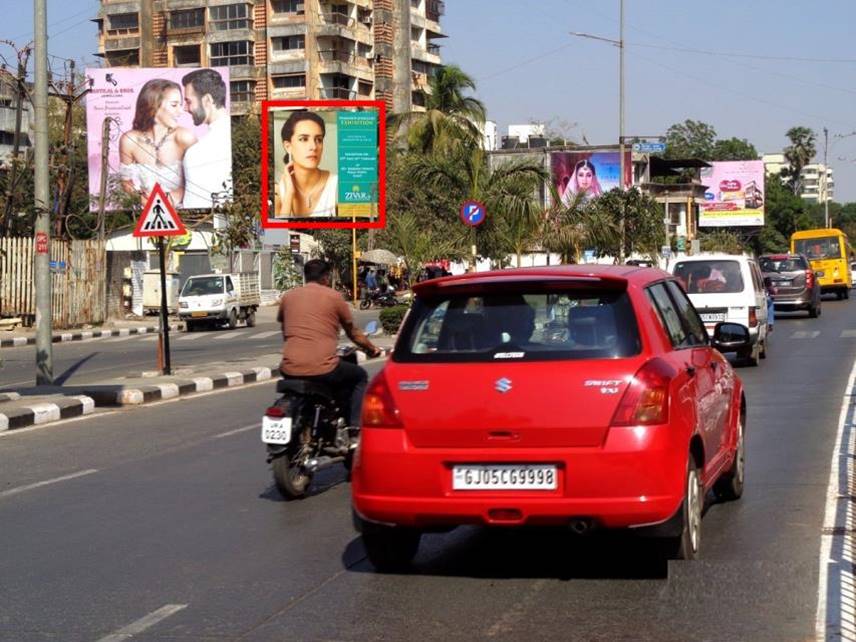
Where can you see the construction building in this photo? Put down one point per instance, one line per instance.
(284, 49)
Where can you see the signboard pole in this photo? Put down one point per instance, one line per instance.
(167, 369)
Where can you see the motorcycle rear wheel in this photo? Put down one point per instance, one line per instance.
(291, 480)
(365, 304)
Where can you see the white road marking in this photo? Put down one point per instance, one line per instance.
(262, 335)
(229, 335)
(848, 334)
(836, 599)
(805, 334)
(254, 426)
(190, 337)
(146, 622)
(154, 338)
(56, 480)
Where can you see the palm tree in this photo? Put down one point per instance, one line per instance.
(451, 118)
(406, 236)
(570, 227)
(506, 190)
(799, 153)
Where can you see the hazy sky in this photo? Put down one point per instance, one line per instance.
(750, 69)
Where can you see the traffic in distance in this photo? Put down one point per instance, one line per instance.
(585, 397)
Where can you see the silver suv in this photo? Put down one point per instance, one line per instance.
(791, 282)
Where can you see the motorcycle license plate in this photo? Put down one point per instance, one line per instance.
(276, 431)
(504, 477)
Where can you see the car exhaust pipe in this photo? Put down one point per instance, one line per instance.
(320, 463)
(580, 526)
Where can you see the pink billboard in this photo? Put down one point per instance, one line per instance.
(734, 194)
(163, 125)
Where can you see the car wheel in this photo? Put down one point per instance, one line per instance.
(390, 548)
(814, 312)
(749, 357)
(233, 319)
(686, 546)
(846, 293)
(730, 485)
(189, 326)
(251, 319)
(762, 353)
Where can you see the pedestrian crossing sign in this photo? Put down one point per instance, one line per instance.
(159, 217)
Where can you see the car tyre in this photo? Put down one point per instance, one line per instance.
(686, 546)
(845, 293)
(729, 486)
(190, 326)
(750, 357)
(233, 319)
(390, 548)
(251, 319)
(814, 312)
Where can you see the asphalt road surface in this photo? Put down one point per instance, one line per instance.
(81, 362)
(162, 523)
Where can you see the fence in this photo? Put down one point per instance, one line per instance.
(78, 281)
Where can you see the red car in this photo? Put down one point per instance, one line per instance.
(578, 396)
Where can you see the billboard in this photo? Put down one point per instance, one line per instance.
(167, 126)
(588, 173)
(734, 194)
(323, 164)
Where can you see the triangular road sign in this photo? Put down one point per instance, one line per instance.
(159, 217)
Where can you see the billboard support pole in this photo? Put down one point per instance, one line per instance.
(42, 276)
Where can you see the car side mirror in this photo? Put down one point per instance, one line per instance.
(730, 337)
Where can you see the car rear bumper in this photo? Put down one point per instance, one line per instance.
(635, 479)
(802, 302)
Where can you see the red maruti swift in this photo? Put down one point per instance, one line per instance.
(583, 396)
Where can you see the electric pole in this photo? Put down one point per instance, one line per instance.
(825, 176)
(621, 123)
(42, 277)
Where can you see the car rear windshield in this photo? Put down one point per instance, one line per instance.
(826, 247)
(783, 264)
(202, 286)
(707, 277)
(519, 326)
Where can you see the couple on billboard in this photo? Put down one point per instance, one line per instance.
(192, 171)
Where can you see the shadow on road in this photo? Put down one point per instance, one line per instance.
(323, 481)
(504, 553)
(65, 376)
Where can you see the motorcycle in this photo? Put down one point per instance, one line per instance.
(380, 299)
(306, 430)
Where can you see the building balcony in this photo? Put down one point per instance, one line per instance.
(288, 93)
(121, 44)
(185, 32)
(421, 53)
(338, 93)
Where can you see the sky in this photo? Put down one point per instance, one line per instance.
(749, 69)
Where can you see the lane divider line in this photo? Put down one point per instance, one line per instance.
(236, 431)
(55, 480)
(144, 623)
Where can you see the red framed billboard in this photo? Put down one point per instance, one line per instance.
(323, 164)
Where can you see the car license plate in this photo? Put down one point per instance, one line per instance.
(784, 284)
(713, 317)
(276, 431)
(504, 477)
(199, 314)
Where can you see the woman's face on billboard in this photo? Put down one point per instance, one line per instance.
(584, 177)
(306, 145)
(170, 108)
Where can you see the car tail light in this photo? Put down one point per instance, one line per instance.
(277, 412)
(379, 409)
(753, 317)
(646, 400)
(809, 279)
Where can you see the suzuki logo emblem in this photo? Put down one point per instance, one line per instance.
(502, 385)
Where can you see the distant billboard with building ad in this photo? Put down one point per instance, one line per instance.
(734, 196)
(324, 164)
(167, 126)
(588, 173)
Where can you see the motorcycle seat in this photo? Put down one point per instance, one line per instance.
(305, 388)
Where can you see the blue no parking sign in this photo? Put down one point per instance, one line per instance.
(473, 213)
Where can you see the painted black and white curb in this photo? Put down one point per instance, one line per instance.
(43, 412)
(84, 335)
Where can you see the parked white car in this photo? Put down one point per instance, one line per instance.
(727, 287)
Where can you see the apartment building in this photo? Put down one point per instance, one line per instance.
(8, 114)
(818, 180)
(280, 49)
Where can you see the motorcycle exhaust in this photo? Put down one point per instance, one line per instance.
(320, 463)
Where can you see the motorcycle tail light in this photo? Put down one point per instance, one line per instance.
(379, 409)
(646, 400)
(276, 412)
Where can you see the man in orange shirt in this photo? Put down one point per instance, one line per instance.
(311, 317)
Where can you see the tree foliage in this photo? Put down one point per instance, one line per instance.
(644, 232)
(734, 149)
(690, 139)
(799, 154)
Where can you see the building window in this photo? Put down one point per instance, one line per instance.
(286, 43)
(418, 98)
(230, 16)
(186, 56)
(123, 23)
(187, 18)
(364, 88)
(242, 91)
(291, 81)
(126, 58)
(231, 53)
(287, 6)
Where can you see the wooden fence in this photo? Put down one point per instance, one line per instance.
(78, 281)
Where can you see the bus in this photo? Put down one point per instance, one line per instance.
(829, 252)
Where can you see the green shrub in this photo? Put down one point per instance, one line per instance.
(391, 318)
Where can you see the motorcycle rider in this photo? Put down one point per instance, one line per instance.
(311, 317)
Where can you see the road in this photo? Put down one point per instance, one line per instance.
(164, 519)
(95, 360)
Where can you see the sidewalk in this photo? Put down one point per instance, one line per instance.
(24, 407)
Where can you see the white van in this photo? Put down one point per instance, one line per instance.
(727, 287)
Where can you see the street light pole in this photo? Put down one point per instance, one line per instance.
(825, 176)
(621, 120)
